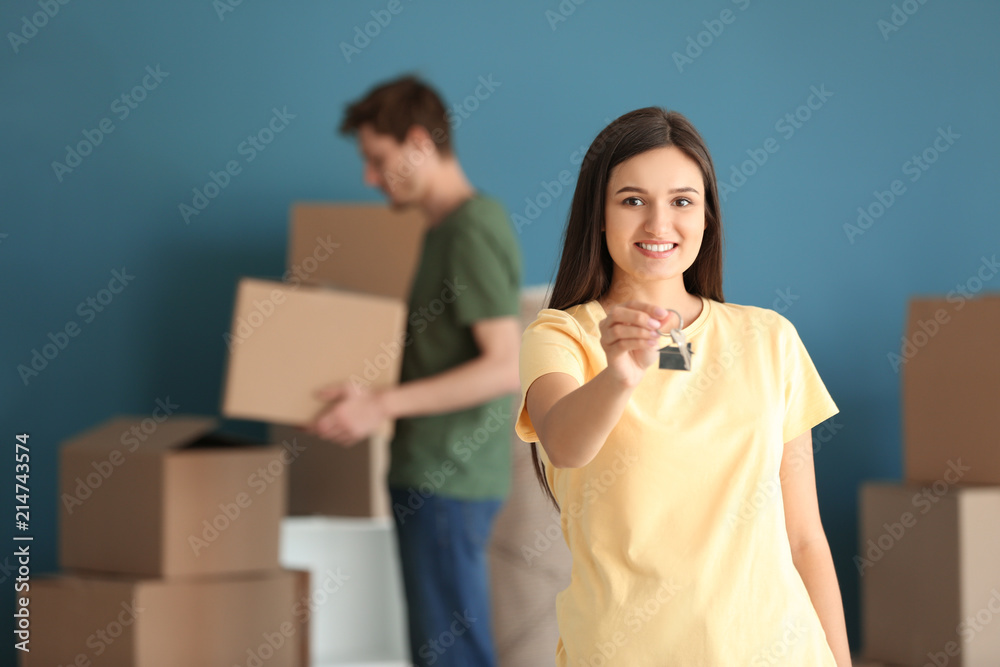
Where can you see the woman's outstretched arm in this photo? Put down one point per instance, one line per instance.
(574, 421)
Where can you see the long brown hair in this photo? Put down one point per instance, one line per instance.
(585, 269)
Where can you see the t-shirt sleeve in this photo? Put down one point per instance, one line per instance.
(807, 401)
(486, 272)
(550, 344)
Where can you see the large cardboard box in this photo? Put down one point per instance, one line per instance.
(340, 316)
(120, 621)
(331, 480)
(167, 498)
(288, 342)
(357, 247)
(950, 363)
(929, 562)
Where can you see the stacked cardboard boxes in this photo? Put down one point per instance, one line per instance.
(929, 556)
(169, 544)
(339, 315)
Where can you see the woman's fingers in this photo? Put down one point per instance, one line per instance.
(632, 329)
(649, 309)
(627, 319)
(631, 345)
(618, 332)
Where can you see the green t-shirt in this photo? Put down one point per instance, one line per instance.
(470, 270)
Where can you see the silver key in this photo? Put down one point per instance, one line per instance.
(681, 340)
(676, 358)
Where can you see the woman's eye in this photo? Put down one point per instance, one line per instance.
(632, 201)
(687, 202)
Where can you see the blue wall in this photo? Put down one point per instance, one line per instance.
(887, 92)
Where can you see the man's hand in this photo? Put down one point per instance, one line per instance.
(352, 415)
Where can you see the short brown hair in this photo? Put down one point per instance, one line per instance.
(395, 106)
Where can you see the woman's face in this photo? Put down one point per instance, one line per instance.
(654, 214)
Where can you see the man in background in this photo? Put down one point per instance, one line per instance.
(453, 404)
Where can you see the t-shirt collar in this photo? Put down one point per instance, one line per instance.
(689, 330)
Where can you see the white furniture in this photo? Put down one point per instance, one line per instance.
(356, 591)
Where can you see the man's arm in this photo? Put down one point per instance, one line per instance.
(355, 413)
(493, 373)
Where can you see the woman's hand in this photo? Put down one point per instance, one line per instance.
(630, 339)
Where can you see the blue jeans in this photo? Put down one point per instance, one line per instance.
(442, 548)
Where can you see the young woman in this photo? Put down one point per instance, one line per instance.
(687, 497)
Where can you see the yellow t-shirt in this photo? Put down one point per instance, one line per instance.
(676, 527)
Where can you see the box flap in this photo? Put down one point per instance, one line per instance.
(173, 432)
(361, 247)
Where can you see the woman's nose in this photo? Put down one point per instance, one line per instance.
(659, 221)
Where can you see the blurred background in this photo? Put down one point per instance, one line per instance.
(811, 110)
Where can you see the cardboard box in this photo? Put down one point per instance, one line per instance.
(929, 562)
(167, 498)
(288, 342)
(118, 621)
(357, 247)
(331, 480)
(950, 363)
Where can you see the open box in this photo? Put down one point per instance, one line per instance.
(170, 498)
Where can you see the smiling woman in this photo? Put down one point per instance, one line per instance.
(663, 572)
(654, 226)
